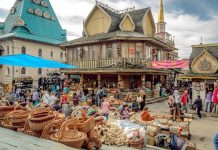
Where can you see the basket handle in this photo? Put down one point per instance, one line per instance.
(24, 107)
(44, 105)
(2, 101)
(66, 123)
(6, 118)
(83, 115)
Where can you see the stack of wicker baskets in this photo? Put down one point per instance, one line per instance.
(16, 119)
(52, 128)
(5, 108)
(46, 123)
(69, 136)
(39, 118)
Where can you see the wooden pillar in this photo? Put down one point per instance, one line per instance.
(143, 81)
(99, 81)
(82, 81)
(152, 82)
(143, 50)
(161, 79)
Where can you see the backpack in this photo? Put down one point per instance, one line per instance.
(101, 94)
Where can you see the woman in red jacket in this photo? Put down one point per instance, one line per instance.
(215, 99)
(184, 101)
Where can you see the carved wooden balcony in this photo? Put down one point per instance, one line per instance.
(112, 63)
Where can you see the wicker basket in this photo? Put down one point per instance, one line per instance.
(70, 137)
(99, 120)
(4, 110)
(7, 123)
(93, 135)
(52, 128)
(40, 117)
(28, 131)
(85, 125)
(19, 117)
(137, 144)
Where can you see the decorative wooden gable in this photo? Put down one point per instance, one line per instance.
(204, 63)
(148, 24)
(127, 23)
(98, 21)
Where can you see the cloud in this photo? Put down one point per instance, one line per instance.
(188, 30)
(72, 19)
(3, 13)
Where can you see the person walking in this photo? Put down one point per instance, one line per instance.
(215, 99)
(198, 104)
(35, 97)
(208, 101)
(52, 99)
(176, 96)
(99, 97)
(45, 97)
(184, 101)
(106, 108)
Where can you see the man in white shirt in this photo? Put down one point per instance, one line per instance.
(52, 99)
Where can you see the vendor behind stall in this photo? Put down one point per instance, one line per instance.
(125, 112)
(145, 115)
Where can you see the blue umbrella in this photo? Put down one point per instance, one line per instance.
(25, 60)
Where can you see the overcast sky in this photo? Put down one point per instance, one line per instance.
(187, 20)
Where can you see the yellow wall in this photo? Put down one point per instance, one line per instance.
(97, 22)
(127, 25)
(148, 26)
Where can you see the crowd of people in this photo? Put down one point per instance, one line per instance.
(184, 102)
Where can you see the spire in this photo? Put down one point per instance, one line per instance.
(161, 12)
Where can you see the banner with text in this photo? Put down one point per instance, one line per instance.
(170, 64)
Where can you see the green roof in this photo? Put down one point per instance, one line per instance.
(33, 20)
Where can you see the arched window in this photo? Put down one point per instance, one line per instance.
(8, 71)
(23, 70)
(40, 71)
(1, 50)
(61, 55)
(8, 50)
(51, 54)
(23, 50)
(40, 53)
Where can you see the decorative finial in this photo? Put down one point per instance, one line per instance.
(161, 12)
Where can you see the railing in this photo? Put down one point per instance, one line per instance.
(112, 63)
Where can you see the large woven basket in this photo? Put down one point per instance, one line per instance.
(5, 109)
(40, 117)
(20, 116)
(6, 123)
(52, 128)
(139, 144)
(70, 137)
(85, 125)
(28, 131)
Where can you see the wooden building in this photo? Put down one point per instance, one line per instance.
(204, 69)
(118, 46)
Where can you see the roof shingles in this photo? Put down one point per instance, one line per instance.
(39, 26)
